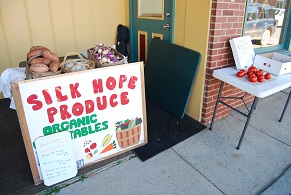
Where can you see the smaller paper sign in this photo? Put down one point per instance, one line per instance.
(56, 157)
(243, 51)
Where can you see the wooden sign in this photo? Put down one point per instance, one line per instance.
(102, 109)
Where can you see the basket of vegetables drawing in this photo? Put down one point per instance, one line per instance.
(128, 132)
(76, 64)
(105, 56)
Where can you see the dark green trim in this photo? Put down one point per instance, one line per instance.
(173, 8)
(130, 31)
(287, 35)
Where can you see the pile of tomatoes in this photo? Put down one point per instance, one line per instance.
(254, 74)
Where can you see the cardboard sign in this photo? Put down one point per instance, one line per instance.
(56, 157)
(243, 52)
(103, 110)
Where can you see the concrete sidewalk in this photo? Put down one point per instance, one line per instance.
(208, 163)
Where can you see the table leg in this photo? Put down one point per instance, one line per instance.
(247, 122)
(216, 104)
(285, 107)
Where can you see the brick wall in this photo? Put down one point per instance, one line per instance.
(227, 17)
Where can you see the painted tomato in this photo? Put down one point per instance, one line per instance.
(253, 78)
(267, 76)
(93, 146)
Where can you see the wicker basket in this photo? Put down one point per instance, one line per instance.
(128, 137)
(90, 53)
(34, 75)
(74, 65)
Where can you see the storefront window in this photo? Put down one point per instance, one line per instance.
(265, 22)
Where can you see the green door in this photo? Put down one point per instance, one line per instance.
(149, 19)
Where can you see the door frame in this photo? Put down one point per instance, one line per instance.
(173, 8)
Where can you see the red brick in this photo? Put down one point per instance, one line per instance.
(222, 6)
(239, 12)
(238, 31)
(228, 12)
(209, 87)
(215, 26)
(234, 6)
(237, 25)
(216, 12)
(211, 93)
(215, 58)
(222, 62)
(213, 52)
(213, 39)
(232, 19)
(227, 56)
(226, 25)
(216, 45)
(231, 31)
(223, 50)
(218, 32)
(220, 19)
(214, 4)
(212, 64)
(224, 38)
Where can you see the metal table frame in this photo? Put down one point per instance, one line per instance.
(285, 107)
(259, 90)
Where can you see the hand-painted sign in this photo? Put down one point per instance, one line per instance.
(102, 109)
(56, 157)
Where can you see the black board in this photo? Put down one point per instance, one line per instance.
(170, 72)
(165, 131)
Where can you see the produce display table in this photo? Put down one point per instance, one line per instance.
(259, 90)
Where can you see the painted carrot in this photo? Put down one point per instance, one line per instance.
(109, 147)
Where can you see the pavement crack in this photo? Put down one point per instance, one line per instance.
(197, 170)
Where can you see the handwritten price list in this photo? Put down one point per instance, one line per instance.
(56, 157)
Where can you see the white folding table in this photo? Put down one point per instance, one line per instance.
(259, 90)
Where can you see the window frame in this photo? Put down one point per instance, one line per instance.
(285, 45)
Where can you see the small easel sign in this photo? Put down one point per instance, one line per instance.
(243, 51)
(56, 157)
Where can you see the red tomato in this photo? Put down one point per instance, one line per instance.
(252, 69)
(260, 78)
(251, 74)
(244, 71)
(261, 71)
(267, 76)
(240, 74)
(253, 78)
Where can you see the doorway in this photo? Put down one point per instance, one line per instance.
(149, 19)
